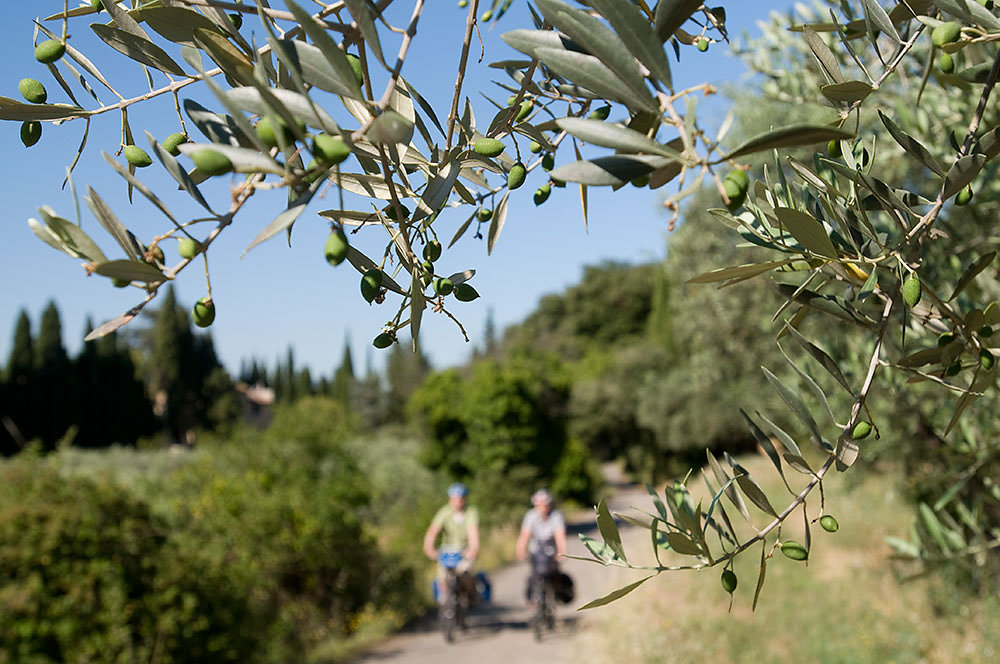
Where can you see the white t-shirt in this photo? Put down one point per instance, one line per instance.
(542, 531)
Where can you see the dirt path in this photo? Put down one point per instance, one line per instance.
(500, 633)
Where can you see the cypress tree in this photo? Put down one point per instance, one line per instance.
(405, 371)
(18, 408)
(344, 383)
(55, 390)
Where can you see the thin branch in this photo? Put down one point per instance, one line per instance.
(462, 63)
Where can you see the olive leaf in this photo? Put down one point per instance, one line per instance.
(615, 170)
(176, 24)
(638, 35)
(496, 223)
(827, 60)
(615, 595)
(970, 12)
(11, 109)
(599, 40)
(791, 136)
(137, 48)
(593, 74)
(609, 135)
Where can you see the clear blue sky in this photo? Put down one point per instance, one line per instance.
(278, 295)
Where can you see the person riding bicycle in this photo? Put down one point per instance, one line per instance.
(459, 529)
(543, 534)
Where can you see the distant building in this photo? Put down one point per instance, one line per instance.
(256, 401)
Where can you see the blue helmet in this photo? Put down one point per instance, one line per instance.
(458, 490)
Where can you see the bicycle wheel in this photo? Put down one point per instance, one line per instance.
(538, 597)
(449, 611)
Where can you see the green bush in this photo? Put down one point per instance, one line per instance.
(88, 574)
(280, 514)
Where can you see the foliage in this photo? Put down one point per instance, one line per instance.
(279, 513)
(51, 397)
(848, 605)
(502, 425)
(111, 584)
(610, 305)
(185, 374)
(838, 234)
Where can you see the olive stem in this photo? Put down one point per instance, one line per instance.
(462, 64)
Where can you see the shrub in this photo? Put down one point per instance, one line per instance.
(88, 574)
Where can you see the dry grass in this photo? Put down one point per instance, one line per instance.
(846, 606)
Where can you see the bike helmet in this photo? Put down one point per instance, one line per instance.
(458, 490)
(541, 496)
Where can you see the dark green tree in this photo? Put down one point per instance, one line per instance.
(185, 377)
(405, 371)
(343, 385)
(18, 410)
(54, 387)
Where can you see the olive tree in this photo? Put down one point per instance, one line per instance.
(823, 225)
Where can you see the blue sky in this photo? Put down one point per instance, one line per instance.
(279, 296)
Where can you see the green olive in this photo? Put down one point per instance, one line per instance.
(946, 33)
(137, 156)
(336, 247)
(484, 214)
(31, 133)
(861, 430)
(701, 43)
(600, 113)
(729, 581)
(383, 340)
(188, 247)
(211, 162)
(963, 197)
(542, 194)
(203, 312)
(355, 63)
(443, 286)
(524, 110)
(946, 63)
(49, 51)
(330, 149)
(912, 290)
(32, 90)
(371, 284)
(534, 147)
(488, 147)
(794, 550)
(829, 523)
(516, 175)
(432, 251)
(171, 142)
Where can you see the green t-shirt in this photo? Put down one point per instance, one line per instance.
(455, 526)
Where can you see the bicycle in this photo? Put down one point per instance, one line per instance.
(542, 592)
(456, 604)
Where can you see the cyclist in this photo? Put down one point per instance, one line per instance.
(543, 534)
(458, 525)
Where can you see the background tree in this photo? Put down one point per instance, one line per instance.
(343, 384)
(21, 386)
(54, 378)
